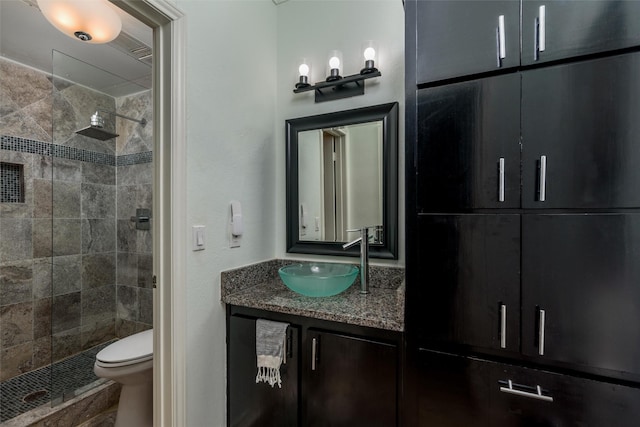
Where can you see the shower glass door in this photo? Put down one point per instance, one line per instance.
(90, 243)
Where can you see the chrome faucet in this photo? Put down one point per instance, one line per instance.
(364, 257)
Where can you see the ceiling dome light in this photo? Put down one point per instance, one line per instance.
(92, 21)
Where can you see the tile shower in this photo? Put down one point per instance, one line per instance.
(75, 273)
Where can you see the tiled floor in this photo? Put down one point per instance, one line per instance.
(58, 382)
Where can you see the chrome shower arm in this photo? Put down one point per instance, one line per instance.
(142, 122)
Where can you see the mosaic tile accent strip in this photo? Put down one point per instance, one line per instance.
(11, 183)
(31, 146)
(28, 391)
(134, 159)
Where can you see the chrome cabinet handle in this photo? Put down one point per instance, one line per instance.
(540, 32)
(542, 317)
(543, 179)
(314, 353)
(501, 41)
(503, 326)
(537, 395)
(501, 179)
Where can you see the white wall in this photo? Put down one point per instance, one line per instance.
(240, 71)
(230, 75)
(310, 29)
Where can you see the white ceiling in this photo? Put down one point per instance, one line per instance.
(28, 38)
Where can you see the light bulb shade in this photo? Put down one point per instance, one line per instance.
(303, 70)
(334, 62)
(370, 53)
(92, 21)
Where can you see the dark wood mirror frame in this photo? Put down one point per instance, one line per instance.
(388, 114)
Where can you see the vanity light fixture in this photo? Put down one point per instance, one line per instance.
(335, 86)
(91, 21)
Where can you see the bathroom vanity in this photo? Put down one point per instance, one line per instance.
(342, 358)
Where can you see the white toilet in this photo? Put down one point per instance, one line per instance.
(129, 361)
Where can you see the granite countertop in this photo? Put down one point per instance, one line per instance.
(258, 286)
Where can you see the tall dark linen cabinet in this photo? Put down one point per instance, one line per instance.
(523, 213)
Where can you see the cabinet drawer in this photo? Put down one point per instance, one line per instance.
(574, 28)
(457, 38)
(458, 391)
(541, 398)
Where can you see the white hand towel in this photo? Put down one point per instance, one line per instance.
(270, 338)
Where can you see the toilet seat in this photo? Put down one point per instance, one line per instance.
(133, 349)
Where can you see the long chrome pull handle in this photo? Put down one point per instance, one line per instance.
(542, 317)
(543, 179)
(314, 353)
(503, 326)
(542, 31)
(501, 179)
(501, 41)
(537, 395)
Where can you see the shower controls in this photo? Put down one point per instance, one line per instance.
(142, 219)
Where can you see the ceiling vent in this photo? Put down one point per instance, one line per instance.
(133, 47)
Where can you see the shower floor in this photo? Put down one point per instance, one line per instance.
(28, 391)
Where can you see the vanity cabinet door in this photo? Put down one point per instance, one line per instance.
(581, 291)
(453, 391)
(349, 381)
(458, 38)
(258, 404)
(581, 120)
(468, 152)
(468, 276)
(575, 28)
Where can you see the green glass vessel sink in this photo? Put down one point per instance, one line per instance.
(318, 279)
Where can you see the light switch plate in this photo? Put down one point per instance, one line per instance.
(198, 240)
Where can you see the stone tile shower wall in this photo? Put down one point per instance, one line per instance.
(134, 189)
(60, 250)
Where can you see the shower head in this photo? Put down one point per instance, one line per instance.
(96, 132)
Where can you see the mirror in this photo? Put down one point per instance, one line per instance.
(342, 175)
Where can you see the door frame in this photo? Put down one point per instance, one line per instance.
(169, 206)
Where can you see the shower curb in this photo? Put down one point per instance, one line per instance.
(73, 413)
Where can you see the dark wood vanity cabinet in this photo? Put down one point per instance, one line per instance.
(526, 274)
(335, 374)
